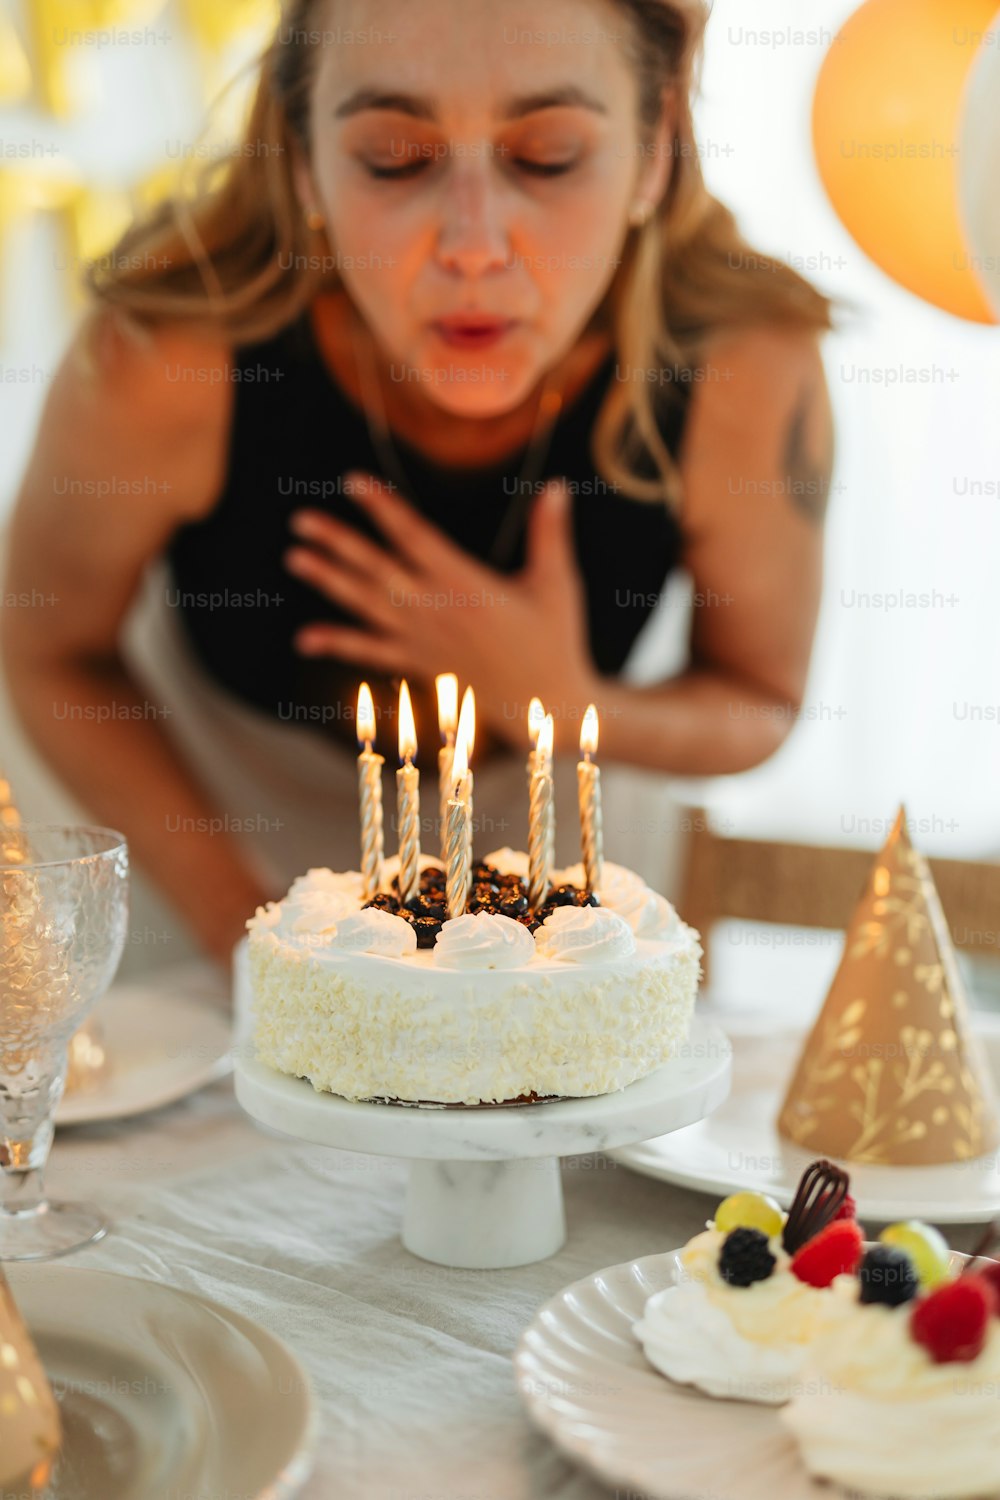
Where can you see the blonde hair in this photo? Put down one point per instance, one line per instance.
(239, 255)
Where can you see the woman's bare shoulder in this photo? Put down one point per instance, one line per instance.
(160, 396)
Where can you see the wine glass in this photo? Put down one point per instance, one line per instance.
(63, 913)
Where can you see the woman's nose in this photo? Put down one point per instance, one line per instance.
(473, 237)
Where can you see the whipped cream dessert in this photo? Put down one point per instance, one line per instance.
(902, 1400)
(745, 1343)
(584, 1003)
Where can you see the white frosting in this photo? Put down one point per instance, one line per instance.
(743, 1343)
(625, 892)
(365, 1025)
(481, 940)
(585, 935)
(884, 1419)
(374, 931)
(344, 883)
(317, 913)
(509, 861)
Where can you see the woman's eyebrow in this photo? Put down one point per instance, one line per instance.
(512, 108)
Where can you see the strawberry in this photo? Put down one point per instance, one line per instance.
(836, 1250)
(951, 1322)
(990, 1272)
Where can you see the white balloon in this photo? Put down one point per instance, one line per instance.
(979, 168)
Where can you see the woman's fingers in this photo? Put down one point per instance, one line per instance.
(349, 644)
(377, 602)
(417, 540)
(365, 556)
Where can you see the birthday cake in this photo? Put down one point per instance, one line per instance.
(385, 1000)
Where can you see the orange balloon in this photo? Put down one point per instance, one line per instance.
(887, 130)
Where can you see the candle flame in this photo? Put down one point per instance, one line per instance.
(366, 716)
(407, 728)
(588, 732)
(546, 736)
(536, 718)
(460, 764)
(468, 718)
(447, 691)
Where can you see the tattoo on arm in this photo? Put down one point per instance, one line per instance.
(809, 454)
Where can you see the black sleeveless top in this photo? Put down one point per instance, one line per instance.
(294, 436)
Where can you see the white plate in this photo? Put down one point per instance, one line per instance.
(739, 1147)
(163, 1394)
(164, 1042)
(587, 1384)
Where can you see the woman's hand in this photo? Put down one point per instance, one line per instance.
(426, 606)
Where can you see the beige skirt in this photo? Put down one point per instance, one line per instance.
(290, 798)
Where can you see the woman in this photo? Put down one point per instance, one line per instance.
(312, 424)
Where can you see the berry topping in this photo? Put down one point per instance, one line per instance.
(926, 1247)
(887, 1275)
(512, 904)
(432, 878)
(835, 1251)
(382, 901)
(563, 895)
(847, 1210)
(425, 906)
(817, 1203)
(427, 929)
(749, 1211)
(952, 1321)
(746, 1257)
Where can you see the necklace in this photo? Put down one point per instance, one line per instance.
(512, 521)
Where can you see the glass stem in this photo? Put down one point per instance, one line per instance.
(22, 1190)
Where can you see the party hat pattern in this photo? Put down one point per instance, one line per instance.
(891, 1073)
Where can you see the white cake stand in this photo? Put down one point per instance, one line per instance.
(484, 1190)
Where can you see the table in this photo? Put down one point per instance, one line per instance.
(410, 1362)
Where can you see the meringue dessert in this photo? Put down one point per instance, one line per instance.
(753, 1293)
(501, 1004)
(902, 1393)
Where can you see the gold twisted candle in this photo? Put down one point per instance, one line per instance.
(467, 727)
(588, 776)
(458, 864)
(447, 696)
(408, 800)
(370, 794)
(541, 818)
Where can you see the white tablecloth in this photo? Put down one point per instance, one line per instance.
(411, 1363)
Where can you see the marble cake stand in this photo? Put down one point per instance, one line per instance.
(484, 1188)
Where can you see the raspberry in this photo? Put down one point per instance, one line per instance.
(746, 1257)
(836, 1250)
(887, 1275)
(951, 1322)
(847, 1210)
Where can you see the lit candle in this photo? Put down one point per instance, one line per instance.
(588, 776)
(447, 696)
(468, 718)
(458, 841)
(541, 818)
(408, 801)
(370, 790)
(536, 718)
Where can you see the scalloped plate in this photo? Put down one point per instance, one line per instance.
(738, 1146)
(586, 1383)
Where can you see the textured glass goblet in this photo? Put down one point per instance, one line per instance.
(63, 915)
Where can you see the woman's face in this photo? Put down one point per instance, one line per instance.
(476, 162)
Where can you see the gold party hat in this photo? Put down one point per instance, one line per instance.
(29, 1417)
(891, 1073)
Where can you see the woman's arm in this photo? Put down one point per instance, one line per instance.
(756, 468)
(124, 455)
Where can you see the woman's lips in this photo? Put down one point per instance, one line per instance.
(472, 332)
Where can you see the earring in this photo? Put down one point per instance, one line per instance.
(314, 219)
(640, 215)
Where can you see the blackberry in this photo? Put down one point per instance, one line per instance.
(427, 929)
(563, 895)
(482, 872)
(382, 901)
(432, 877)
(511, 905)
(887, 1275)
(746, 1257)
(425, 906)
